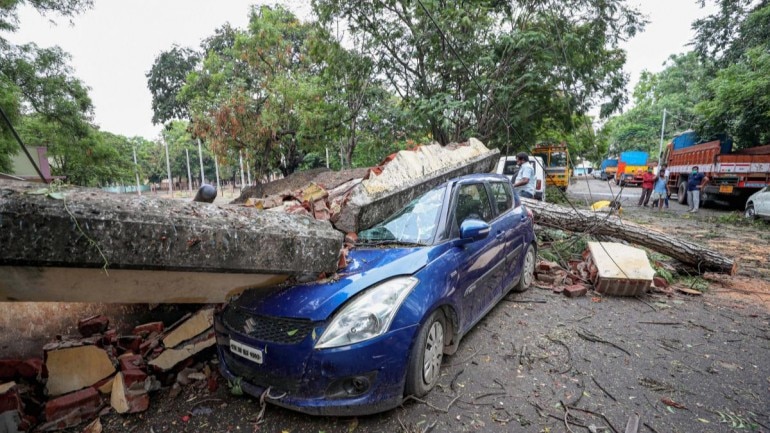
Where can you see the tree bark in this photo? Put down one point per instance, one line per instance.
(602, 224)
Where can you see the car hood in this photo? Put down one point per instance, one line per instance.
(318, 300)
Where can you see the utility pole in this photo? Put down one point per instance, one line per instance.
(240, 161)
(189, 176)
(660, 147)
(136, 171)
(216, 169)
(168, 170)
(248, 171)
(200, 156)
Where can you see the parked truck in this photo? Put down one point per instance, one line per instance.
(631, 166)
(608, 168)
(733, 176)
(556, 159)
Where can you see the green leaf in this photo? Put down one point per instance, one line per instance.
(39, 191)
(56, 195)
(292, 332)
(314, 334)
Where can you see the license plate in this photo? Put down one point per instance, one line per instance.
(245, 351)
(726, 189)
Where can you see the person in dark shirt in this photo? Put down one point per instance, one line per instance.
(695, 183)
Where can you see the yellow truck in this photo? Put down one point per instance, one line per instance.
(556, 160)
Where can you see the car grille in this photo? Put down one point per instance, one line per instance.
(264, 328)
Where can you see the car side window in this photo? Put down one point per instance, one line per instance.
(473, 202)
(503, 197)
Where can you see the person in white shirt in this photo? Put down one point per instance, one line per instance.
(524, 184)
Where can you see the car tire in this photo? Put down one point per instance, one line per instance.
(750, 212)
(424, 367)
(681, 194)
(527, 271)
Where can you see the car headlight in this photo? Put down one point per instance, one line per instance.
(368, 315)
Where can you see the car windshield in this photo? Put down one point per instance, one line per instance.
(415, 224)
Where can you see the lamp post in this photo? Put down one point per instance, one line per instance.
(136, 171)
(168, 170)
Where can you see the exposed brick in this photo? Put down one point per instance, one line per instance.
(131, 362)
(148, 328)
(146, 347)
(71, 409)
(575, 290)
(30, 368)
(110, 337)
(134, 376)
(9, 368)
(137, 401)
(547, 266)
(546, 278)
(10, 399)
(660, 282)
(93, 325)
(130, 343)
(558, 289)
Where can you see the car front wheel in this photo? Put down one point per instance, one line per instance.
(527, 270)
(427, 354)
(750, 212)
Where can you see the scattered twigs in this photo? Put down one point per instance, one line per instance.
(646, 303)
(489, 394)
(586, 335)
(601, 415)
(419, 400)
(603, 390)
(569, 352)
(526, 301)
(701, 326)
(649, 427)
(566, 415)
(454, 379)
(662, 323)
(454, 364)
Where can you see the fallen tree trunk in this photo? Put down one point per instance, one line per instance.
(602, 224)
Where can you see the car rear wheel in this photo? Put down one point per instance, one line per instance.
(750, 212)
(527, 271)
(427, 354)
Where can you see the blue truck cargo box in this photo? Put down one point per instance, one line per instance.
(634, 157)
(685, 139)
(612, 162)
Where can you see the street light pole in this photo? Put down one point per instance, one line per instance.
(189, 175)
(200, 156)
(660, 147)
(168, 170)
(136, 171)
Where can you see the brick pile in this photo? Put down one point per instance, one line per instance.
(77, 379)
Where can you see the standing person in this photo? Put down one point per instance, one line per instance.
(660, 190)
(525, 178)
(695, 183)
(664, 170)
(648, 179)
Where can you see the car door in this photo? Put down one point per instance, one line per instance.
(511, 220)
(480, 262)
(762, 203)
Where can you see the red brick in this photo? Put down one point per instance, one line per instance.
(575, 290)
(660, 282)
(546, 278)
(71, 409)
(30, 368)
(546, 266)
(9, 368)
(147, 346)
(93, 325)
(130, 343)
(558, 289)
(137, 401)
(10, 400)
(131, 362)
(148, 328)
(133, 376)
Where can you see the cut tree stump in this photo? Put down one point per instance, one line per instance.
(599, 223)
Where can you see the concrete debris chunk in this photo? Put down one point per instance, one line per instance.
(622, 270)
(190, 328)
(128, 398)
(74, 368)
(169, 358)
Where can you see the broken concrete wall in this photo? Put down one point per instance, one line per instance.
(408, 175)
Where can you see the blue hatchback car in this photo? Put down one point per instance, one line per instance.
(416, 283)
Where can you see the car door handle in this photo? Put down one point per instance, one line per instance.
(500, 235)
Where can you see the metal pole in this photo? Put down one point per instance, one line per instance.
(248, 171)
(23, 147)
(660, 147)
(240, 161)
(327, 156)
(189, 176)
(136, 171)
(168, 170)
(216, 168)
(200, 156)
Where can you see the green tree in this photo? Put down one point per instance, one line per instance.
(165, 79)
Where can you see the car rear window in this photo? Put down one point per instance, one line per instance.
(503, 198)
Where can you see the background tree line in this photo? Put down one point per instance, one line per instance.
(363, 79)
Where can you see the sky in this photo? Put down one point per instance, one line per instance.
(114, 44)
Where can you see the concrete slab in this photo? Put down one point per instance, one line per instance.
(622, 270)
(90, 229)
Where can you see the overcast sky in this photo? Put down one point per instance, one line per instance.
(114, 44)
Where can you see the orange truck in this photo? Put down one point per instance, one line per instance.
(733, 176)
(631, 166)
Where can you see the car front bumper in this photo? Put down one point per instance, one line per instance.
(359, 379)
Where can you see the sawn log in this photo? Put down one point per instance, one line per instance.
(600, 223)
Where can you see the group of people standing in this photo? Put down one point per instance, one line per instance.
(657, 187)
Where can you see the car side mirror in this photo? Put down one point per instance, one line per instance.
(472, 230)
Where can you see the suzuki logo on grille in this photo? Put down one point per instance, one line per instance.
(250, 326)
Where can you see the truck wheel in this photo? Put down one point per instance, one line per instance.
(681, 194)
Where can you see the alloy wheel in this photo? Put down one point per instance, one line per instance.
(434, 351)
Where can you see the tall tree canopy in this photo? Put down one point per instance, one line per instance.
(496, 70)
